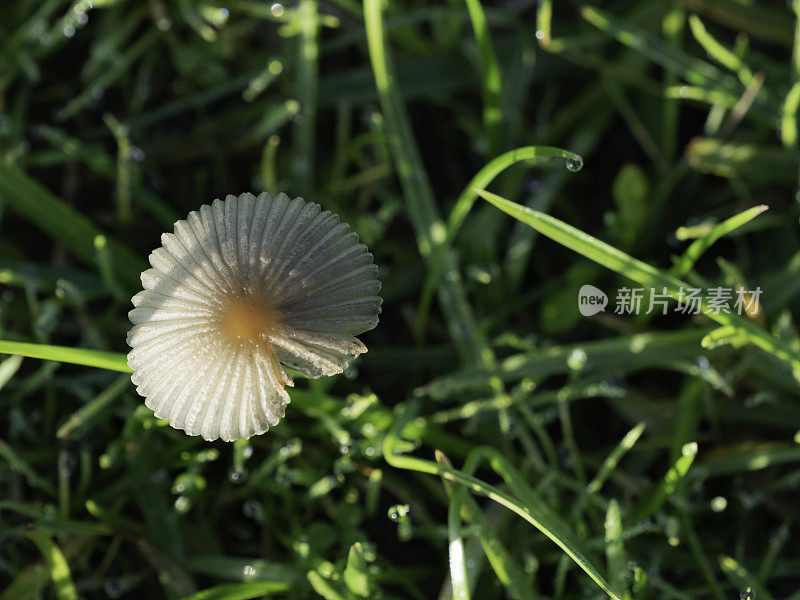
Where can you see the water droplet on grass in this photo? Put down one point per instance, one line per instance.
(748, 593)
(276, 9)
(574, 163)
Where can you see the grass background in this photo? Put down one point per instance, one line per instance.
(659, 453)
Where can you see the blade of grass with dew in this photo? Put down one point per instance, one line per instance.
(612, 460)
(490, 80)
(307, 82)
(231, 567)
(94, 407)
(640, 272)
(693, 70)
(240, 591)
(507, 569)
(544, 18)
(112, 361)
(536, 514)
(616, 557)
(698, 247)
(740, 577)
(420, 201)
(56, 564)
(748, 457)
(567, 393)
(464, 203)
(641, 351)
(459, 576)
(675, 475)
(63, 223)
(123, 170)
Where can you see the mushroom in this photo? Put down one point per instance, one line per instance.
(242, 287)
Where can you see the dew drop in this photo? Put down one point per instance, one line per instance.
(574, 163)
(248, 571)
(399, 512)
(237, 475)
(182, 504)
(747, 594)
(719, 504)
(540, 35)
(68, 31)
(276, 9)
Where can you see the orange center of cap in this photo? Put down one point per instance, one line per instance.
(247, 319)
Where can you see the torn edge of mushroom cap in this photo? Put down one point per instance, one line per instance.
(240, 288)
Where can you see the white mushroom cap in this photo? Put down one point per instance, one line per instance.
(240, 287)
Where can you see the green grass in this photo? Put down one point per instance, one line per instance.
(493, 443)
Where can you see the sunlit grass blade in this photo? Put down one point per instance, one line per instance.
(8, 368)
(56, 564)
(491, 85)
(307, 89)
(612, 460)
(112, 361)
(692, 69)
(623, 354)
(461, 208)
(240, 591)
(94, 407)
(420, 200)
(509, 572)
(640, 272)
(719, 52)
(615, 548)
(701, 244)
(528, 507)
(748, 457)
(459, 576)
(758, 19)
(675, 475)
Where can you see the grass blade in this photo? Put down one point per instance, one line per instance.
(460, 210)
(700, 245)
(420, 201)
(56, 563)
(490, 82)
(112, 361)
(240, 591)
(640, 272)
(531, 509)
(63, 223)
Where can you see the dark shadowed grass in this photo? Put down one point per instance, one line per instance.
(494, 443)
